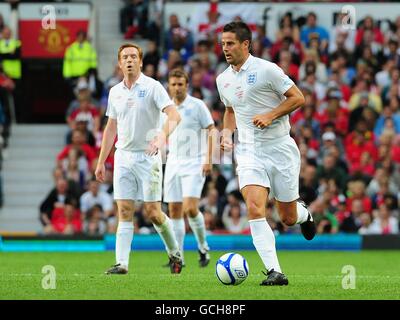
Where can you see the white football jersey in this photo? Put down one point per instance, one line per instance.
(257, 88)
(189, 140)
(137, 111)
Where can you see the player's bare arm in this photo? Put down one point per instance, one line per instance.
(229, 127)
(295, 99)
(210, 147)
(110, 132)
(173, 119)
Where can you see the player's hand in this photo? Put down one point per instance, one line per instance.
(207, 169)
(226, 144)
(156, 144)
(262, 120)
(100, 172)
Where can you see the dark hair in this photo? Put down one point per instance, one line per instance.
(240, 29)
(311, 13)
(178, 73)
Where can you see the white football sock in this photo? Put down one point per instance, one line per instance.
(123, 242)
(199, 229)
(179, 229)
(167, 235)
(264, 241)
(302, 213)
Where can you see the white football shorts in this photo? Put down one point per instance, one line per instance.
(182, 181)
(137, 176)
(274, 165)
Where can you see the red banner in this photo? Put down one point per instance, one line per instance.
(38, 42)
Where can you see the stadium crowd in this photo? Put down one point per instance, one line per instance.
(348, 131)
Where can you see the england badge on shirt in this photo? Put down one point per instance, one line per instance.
(142, 93)
(251, 78)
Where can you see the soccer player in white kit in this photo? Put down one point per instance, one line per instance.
(134, 108)
(259, 98)
(189, 161)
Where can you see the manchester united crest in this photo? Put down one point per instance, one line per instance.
(54, 40)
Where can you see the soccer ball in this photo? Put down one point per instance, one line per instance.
(232, 269)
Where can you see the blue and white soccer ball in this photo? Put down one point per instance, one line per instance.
(232, 269)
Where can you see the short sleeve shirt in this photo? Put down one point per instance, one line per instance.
(257, 88)
(137, 111)
(189, 139)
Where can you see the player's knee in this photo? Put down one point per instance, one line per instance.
(125, 213)
(152, 213)
(191, 211)
(175, 211)
(289, 220)
(255, 211)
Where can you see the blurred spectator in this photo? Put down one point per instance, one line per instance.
(10, 54)
(97, 208)
(308, 184)
(151, 57)
(335, 113)
(178, 38)
(368, 24)
(328, 170)
(58, 212)
(210, 203)
(79, 58)
(78, 143)
(2, 24)
(357, 192)
(285, 62)
(209, 221)
(312, 65)
(85, 112)
(324, 219)
(233, 220)
(384, 223)
(311, 30)
(113, 80)
(10, 58)
(134, 18)
(351, 221)
(287, 22)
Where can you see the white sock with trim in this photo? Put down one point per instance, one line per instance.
(264, 242)
(167, 235)
(123, 243)
(199, 229)
(180, 231)
(302, 213)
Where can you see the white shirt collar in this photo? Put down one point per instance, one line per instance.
(245, 65)
(139, 80)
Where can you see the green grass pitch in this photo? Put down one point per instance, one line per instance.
(312, 275)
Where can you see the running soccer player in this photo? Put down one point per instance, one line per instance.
(134, 108)
(189, 161)
(259, 98)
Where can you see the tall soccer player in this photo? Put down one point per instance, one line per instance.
(134, 108)
(259, 98)
(189, 161)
